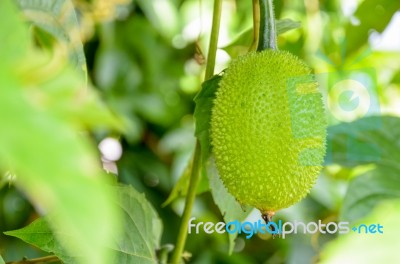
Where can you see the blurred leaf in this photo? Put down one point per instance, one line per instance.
(368, 248)
(60, 90)
(14, 40)
(180, 187)
(56, 168)
(242, 43)
(138, 243)
(368, 190)
(137, 76)
(383, 10)
(286, 24)
(230, 209)
(162, 14)
(396, 78)
(114, 71)
(53, 165)
(2, 261)
(202, 113)
(58, 18)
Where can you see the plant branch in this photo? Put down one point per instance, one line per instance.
(46, 259)
(267, 35)
(196, 168)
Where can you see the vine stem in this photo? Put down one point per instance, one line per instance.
(212, 51)
(195, 173)
(46, 259)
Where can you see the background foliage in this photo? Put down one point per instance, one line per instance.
(146, 60)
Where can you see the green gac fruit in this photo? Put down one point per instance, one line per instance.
(268, 130)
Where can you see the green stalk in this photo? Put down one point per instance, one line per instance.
(267, 35)
(212, 50)
(256, 25)
(195, 174)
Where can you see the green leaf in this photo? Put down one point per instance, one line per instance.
(371, 140)
(368, 248)
(14, 40)
(137, 244)
(230, 208)
(69, 98)
(2, 260)
(285, 25)
(39, 234)
(357, 34)
(57, 18)
(202, 113)
(142, 229)
(369, 190)
(242, 43)
(396, 78)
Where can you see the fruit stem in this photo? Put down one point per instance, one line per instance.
(267, 216)
(267, 29)
(195, 175)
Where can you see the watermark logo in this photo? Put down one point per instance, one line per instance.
(280, 228)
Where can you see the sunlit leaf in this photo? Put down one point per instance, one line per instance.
(2, 261)
(357, 33)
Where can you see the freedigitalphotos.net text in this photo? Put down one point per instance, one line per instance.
(280, 228)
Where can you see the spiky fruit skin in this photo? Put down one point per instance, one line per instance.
(268, 129)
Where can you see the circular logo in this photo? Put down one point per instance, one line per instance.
(349, 100)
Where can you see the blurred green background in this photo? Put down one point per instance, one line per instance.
(147, 59)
